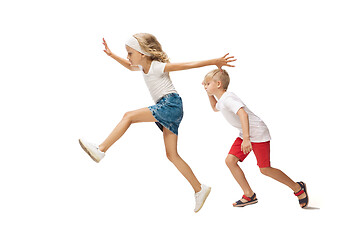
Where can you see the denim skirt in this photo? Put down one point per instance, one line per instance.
(168, 112)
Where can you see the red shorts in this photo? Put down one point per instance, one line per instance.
(261, 151)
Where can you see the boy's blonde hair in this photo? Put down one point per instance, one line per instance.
(151, 45)
(220, 75)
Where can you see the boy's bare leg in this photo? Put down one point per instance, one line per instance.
(232, 163)
(279, 176)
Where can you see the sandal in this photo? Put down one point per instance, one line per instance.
(301, 191)
(251, 200)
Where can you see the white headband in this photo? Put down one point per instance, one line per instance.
(134, 44)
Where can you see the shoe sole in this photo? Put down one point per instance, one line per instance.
(206, 195)
(246, 204)
(306, 205)
(88, 152)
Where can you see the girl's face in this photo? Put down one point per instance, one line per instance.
(134, 56)
(211, 86)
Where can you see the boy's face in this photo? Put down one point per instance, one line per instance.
(211, 85)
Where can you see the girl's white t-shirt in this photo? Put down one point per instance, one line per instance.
(229, 104)
(158, 81)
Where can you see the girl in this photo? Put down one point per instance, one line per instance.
(145, 54)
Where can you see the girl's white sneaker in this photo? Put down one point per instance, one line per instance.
(201, 196)
(92, 150)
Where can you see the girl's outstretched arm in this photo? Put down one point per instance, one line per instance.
(122, 61)
(219, 62)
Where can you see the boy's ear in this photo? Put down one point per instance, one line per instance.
(219, 83)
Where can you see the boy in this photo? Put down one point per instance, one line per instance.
(254, 136)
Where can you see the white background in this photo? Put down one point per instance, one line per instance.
(297, 69)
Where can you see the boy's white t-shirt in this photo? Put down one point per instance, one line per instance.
(158, 81)
(229, 104)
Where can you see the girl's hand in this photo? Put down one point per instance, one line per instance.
(246, 146)
(224, 61)
(107, 50)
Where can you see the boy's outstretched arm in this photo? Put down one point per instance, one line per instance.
(120, 60)
(219, 62)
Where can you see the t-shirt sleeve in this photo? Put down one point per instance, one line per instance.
(217, 106)
(158, 67)
(233, 103)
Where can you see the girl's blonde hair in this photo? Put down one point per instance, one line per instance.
(151, 45)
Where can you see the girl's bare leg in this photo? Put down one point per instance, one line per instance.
(140, 115)
(170, 140)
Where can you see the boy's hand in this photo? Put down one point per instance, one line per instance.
(246, 146)
(224, 61)
(107, 50)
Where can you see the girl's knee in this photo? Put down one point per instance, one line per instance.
(172, 156)
(128, 116)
